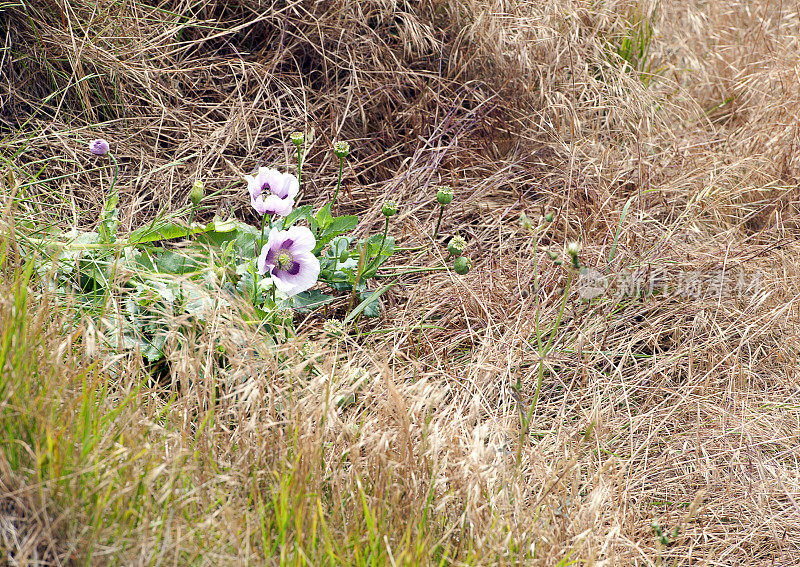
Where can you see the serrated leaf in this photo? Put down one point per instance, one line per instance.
(310, 300)
(324, 217)
(299, 213)
(160, 231)
(339, 226)
(174, 263)
(109, 221)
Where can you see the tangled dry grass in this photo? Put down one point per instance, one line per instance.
(680, 410)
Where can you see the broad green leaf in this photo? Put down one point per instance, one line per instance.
(369, 299)
(299, 213)
(310, 300)
(324, 217)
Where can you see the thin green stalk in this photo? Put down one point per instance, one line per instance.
(380, 248)
(116, 172)
(359, 271)
(542, 353)
(299, 167)
(413, 271)
(438, 222)
(263, 224)
(338, 183)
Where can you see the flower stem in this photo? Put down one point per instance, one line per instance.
(380, 248)
(191, 220)
(438, 222)
(413, 271)
(299, 166)
(116, 172)
(339, 183)
(526, 419)
(359, 271)
(263, 224)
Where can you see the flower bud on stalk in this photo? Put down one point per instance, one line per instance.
(297, 139)
(196, 195)
(462, 265)
(549, 216)
(389, 209)
(340, 150)
(572, 249)
(456, 246)
(99, 147)
(444, 195)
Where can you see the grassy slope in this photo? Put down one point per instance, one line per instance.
(522, 106)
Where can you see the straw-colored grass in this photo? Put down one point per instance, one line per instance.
(680, 155)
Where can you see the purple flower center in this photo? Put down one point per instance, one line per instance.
(286, 263)
(265, 188)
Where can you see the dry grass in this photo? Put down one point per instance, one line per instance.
(679, 410)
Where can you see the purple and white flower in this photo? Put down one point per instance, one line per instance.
(99, 147)
(288, 258)
(272, 192)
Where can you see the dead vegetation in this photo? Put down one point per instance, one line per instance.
(673, 409)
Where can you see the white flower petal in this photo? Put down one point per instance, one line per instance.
(304, 279)
(302, 239)
(274, 205)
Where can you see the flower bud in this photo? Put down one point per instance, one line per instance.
(573, 248)
(344, 255)
(553, 255)
(196, 195)
(99, 147)
(389, 209)
(444, 195)
(456, 246)
(333, 328)
(525, 222)
(341, 149)
(297, 138)
(462, 265)
(549, 216)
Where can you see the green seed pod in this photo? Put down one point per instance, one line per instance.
(456, 246)
(297, 138)
(444, 195)
(549, 216)
(462, 265)
(341, 149)
(196, 195)
(389, 209)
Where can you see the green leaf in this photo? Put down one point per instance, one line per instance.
(310, 300)
(369, 299)
(174, 263)
(299, 213)
(242, 235)
(109, 219)
(324, 217)
(338, 226)
(156, 232)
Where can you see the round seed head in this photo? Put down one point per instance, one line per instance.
(389, 209)
(444, 195)
(462, 265)
(341, 149)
